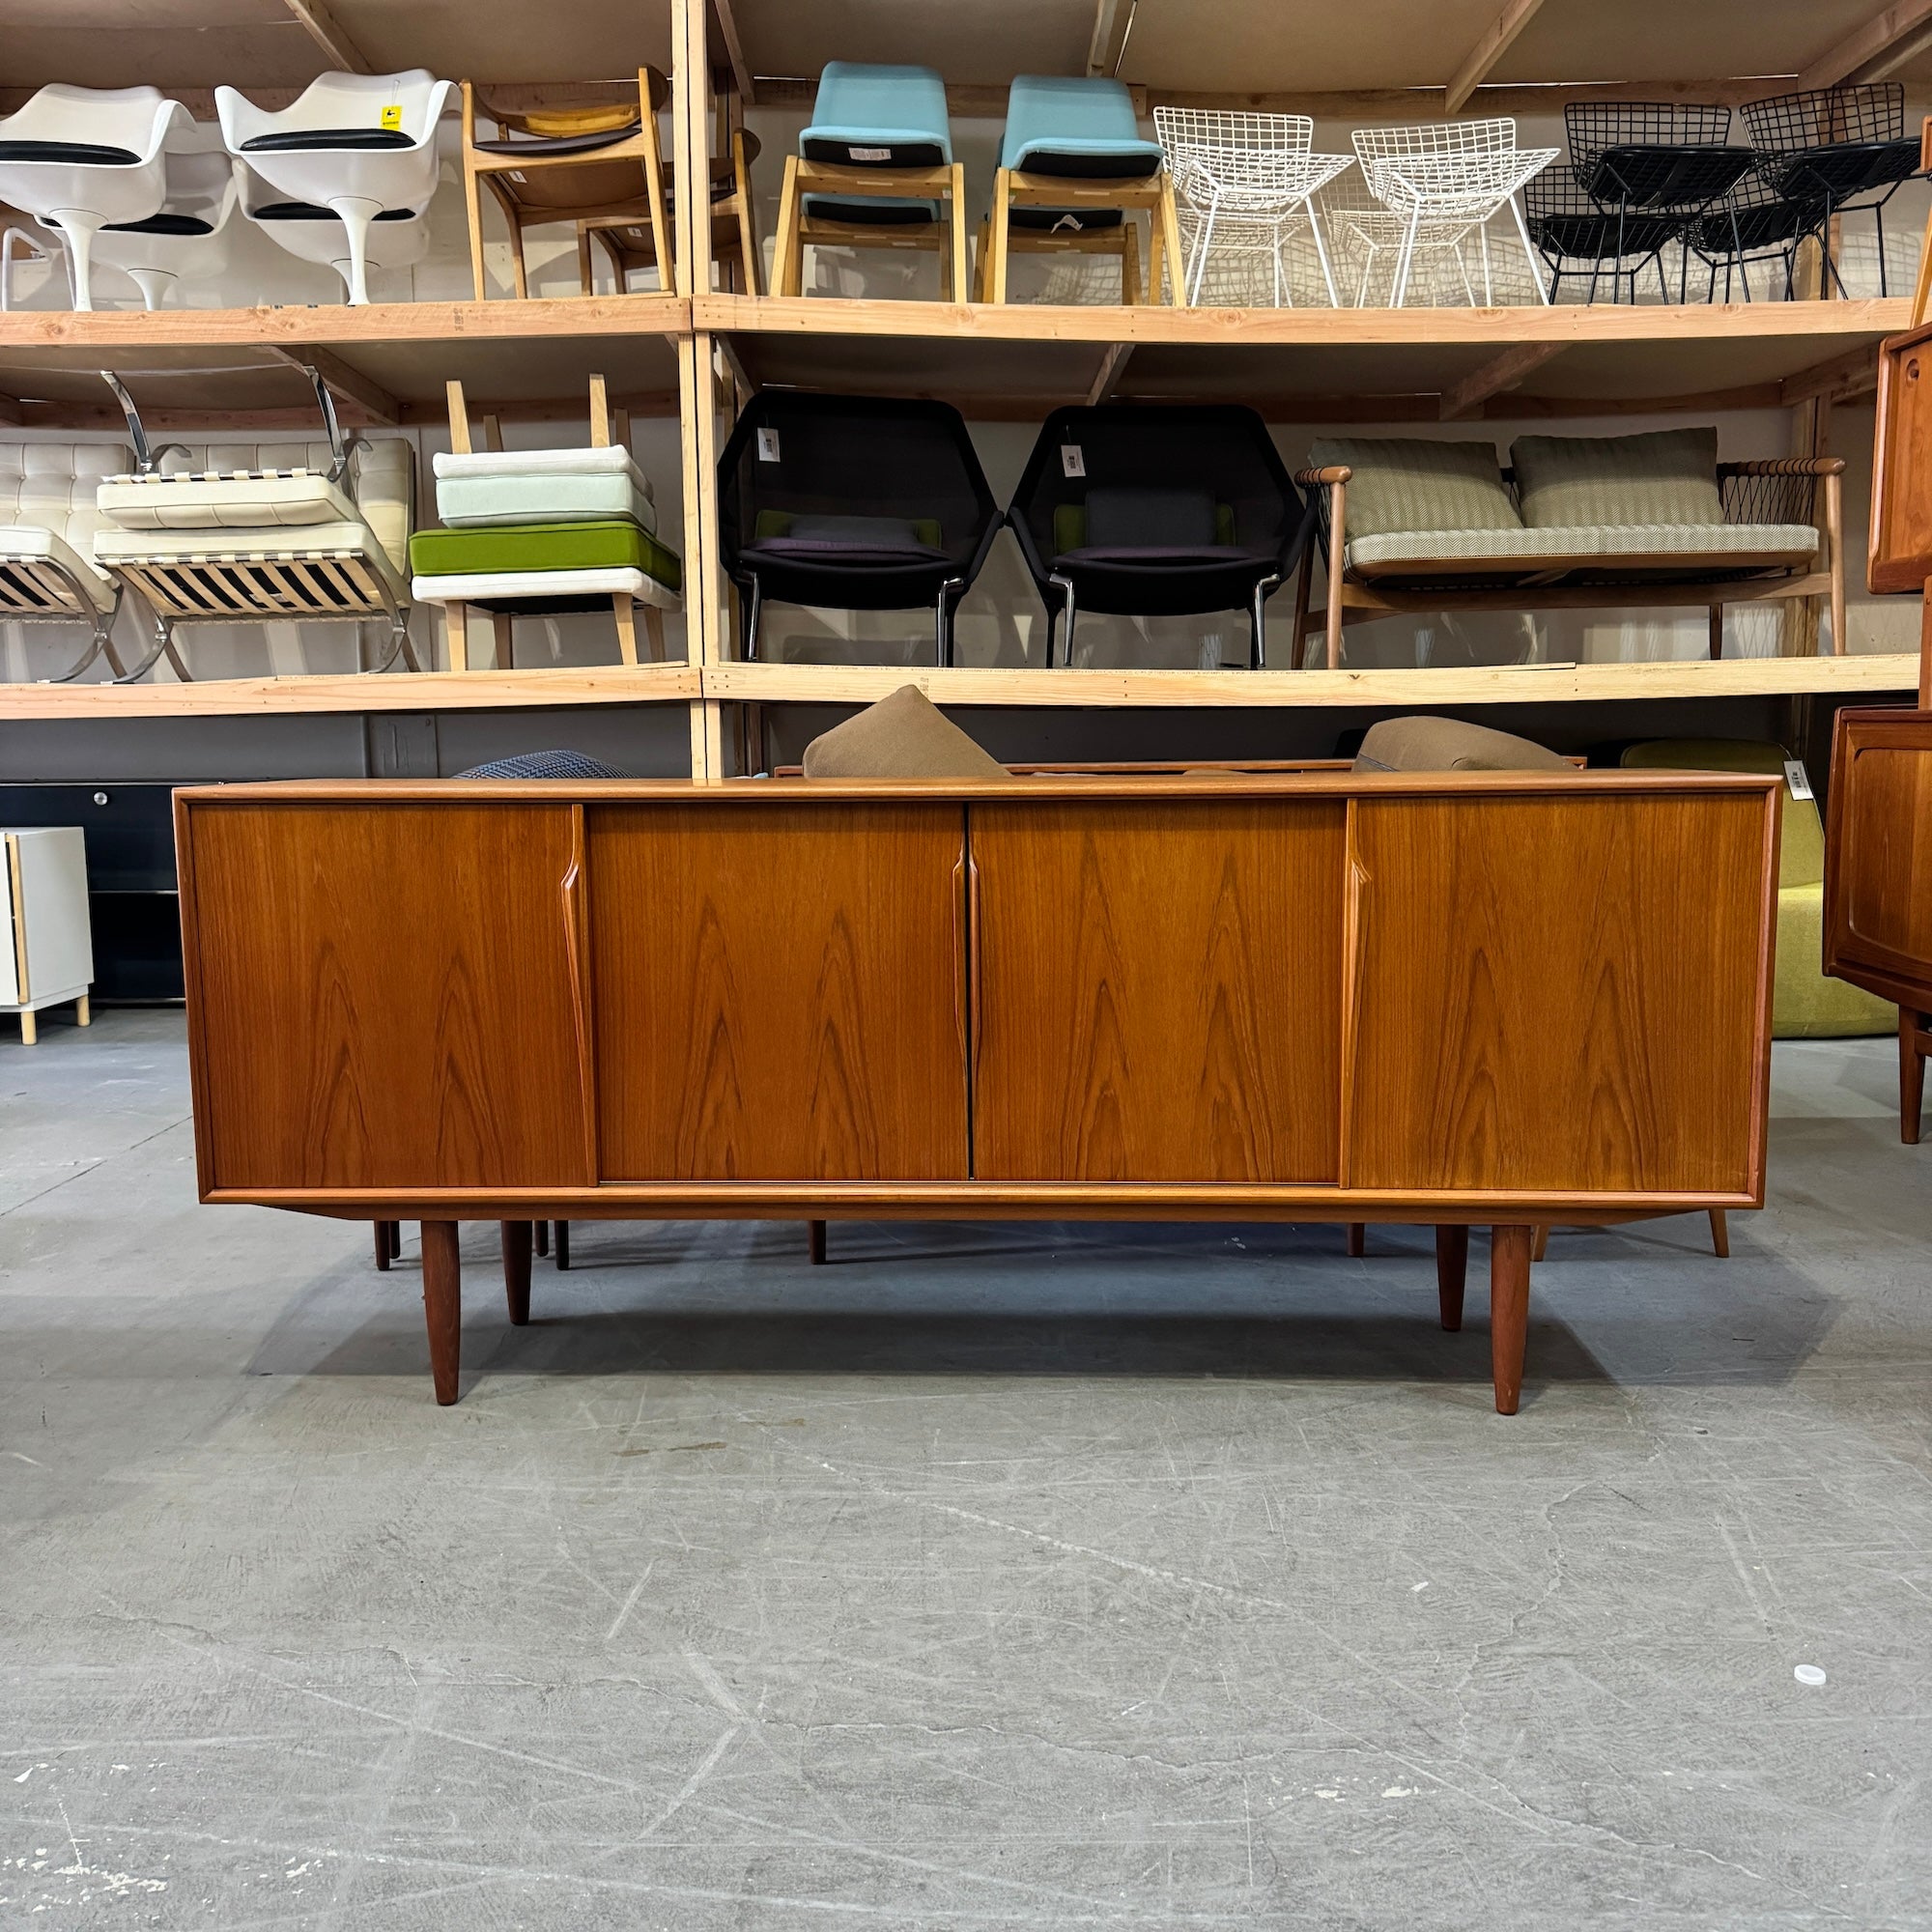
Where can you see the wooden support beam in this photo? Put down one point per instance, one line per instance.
(734, 52)
(1844, 376)
(1496, 41)
(351, 385)
(1111, 365)
(1880, 47)
(1099, 48)
(326, 31)
(1495, 377)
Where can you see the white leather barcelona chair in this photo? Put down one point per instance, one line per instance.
(360, 145)
(227, 534)
(47, 526)
(80, 158)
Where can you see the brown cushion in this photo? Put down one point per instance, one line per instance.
(1424, 744)
(903, 736)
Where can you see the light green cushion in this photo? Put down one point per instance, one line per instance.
(1801, 840)
(1408, 483)
(1636, 545)
(1666, 476)
(613, 545)
(481, 503)
(1806, 1005)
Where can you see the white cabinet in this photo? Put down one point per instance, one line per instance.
(46, 956)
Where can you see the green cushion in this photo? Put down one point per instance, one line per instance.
(1625, 548)
(1804, 1004)
(617, 545)
(1800, 844)
(1666, 476)
(1409, 483)
(1070, 526)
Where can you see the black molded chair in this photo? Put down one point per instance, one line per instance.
(1842, 149)
(1147, 510)
(852, 503)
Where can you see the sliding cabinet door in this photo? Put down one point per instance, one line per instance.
(778, 991)
(385, 995)
(1158, 990)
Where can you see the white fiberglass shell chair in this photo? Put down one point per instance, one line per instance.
(81, 159)
(360, 145)
(47, 526)
(188, 239)
(1247, 176)
(1444, 181)
(397, 239)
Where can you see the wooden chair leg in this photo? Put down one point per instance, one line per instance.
(83, 1012)
(1170, 230)
(561, 1230)
(654, 631)
(1509, 1312)
(1910, 1061)
(1541, 1246)
(625, 612)
(472, 195)
(1337, 543)
(789, 255)
(457, 617)
(999, 227)
(381, 1229)
(1358, 1238)
(1720, 1234)
(1452, 1271)
(443, 1306)
(1717, 630)
(1131, 262)
(517, 1239)
(502, 629)
(962, 276)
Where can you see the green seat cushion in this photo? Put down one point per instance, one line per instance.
(615, 544)
(1410, 483)
(1630, 547)
(1806, 1005)
(1664, 476)
(1800, 844)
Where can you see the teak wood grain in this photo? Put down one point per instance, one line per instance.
(1547, 994)
(384, 998)
(779, 994)
(1157, 991)
(1900, 537)
(1878, 870)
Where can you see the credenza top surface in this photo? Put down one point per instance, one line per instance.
(1126, 787)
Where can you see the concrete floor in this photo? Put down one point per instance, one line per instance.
(988, 1577)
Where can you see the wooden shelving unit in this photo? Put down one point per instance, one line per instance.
(687, 355)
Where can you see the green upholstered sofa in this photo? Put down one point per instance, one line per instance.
(1804, 1004)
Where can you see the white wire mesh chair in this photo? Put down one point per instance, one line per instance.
(1446, 180)
(1255, 175)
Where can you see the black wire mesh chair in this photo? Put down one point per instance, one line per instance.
(1579, 237)
(1757, 223)
(1149, 510)
(1844, 148)
(1656, 158)
(852, 503)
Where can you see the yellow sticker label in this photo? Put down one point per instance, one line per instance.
(392, 117)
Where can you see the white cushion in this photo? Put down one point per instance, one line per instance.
(53, 486)
(610, 460)
(244, 499)
(33, 543)
(557, 497)
(485, 585)
(118, 548)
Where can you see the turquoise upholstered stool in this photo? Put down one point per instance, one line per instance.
(1073, 167)
(880, 137)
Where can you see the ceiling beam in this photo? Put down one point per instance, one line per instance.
(373, 400)
(1855, 372)
(323, 28)
(1111, 365)
(734, 52)
(1881, 46)
(1501, 373)
(1495, 42)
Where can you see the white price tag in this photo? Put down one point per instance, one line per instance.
(1795, 776)
(871, 154)
(1071, 462)
(768, 445)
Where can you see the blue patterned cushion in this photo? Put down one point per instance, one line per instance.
(543, 765)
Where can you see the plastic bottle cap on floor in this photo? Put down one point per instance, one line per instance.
(1808, 1673)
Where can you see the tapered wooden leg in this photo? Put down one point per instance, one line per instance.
(1509, 1312)
(815, 1233)
(83, 1012)
(1358, 1237)
(381, 1229)
(543, 1238)
(561, 1230)
(503, 628)
(654, 631)
(1542, 1244)
(443, 1306)
(1720, 1234)
(1452, 1269)
(625, 612)
(516, 1238)
(1911, 1055)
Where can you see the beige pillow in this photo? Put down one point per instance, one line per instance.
(1425, 743)
(1582, 482)
(903, 736)
(1408, 483)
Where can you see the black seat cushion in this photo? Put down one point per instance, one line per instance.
(307, 211)
(301, 140)
(537, 146)
(1068, 220)
(77, 153)
(876, 154)
(871, 213)
(557, 764)
(162, 224)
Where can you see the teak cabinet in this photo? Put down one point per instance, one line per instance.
(1500, 999)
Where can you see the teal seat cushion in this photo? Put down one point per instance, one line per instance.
(1082, 127)
(615, 544)
(472, 502)
(870, 115)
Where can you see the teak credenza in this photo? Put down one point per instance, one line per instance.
(1465, 999)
